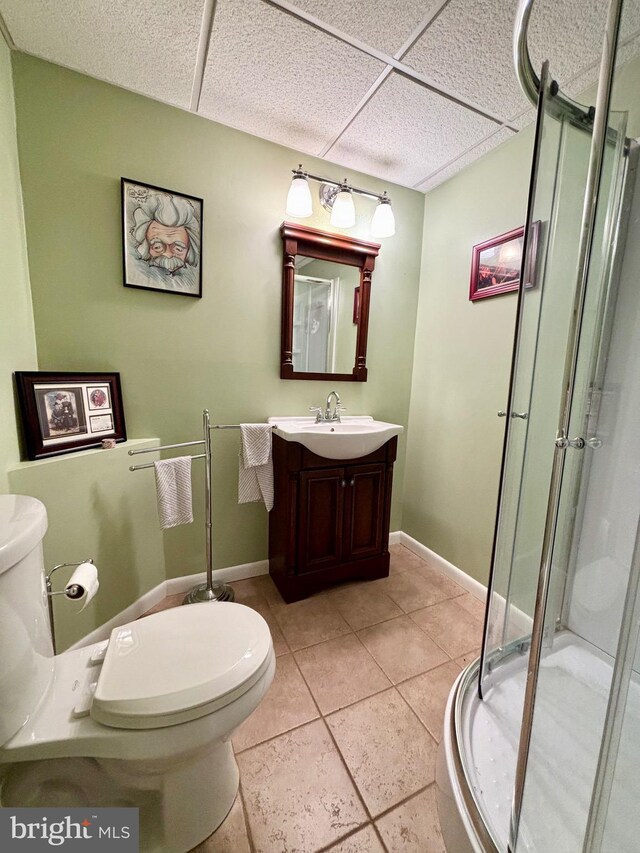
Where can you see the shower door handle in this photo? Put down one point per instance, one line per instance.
(563, 442)
(523, 415)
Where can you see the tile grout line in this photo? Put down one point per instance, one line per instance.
(321, 716)
(405, 800)
(401, 802)
(433, 640)
(337, 748)
(327, 848)
(379, 837)
(247, 825)
(374, 821)
(373, 624)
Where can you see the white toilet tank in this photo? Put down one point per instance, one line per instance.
(26, 651)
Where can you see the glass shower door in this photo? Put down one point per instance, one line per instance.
(573, 676)
(544, 314)
(556, 201)
(570, 679)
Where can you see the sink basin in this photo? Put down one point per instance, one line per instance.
(352, 438)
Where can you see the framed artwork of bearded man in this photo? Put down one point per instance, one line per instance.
(162, 239)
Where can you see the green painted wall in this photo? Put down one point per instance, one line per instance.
(17, 338)
(463, 349)
(96, 508)
(462, 362)
(76, 138)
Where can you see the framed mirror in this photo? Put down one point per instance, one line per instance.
(326, 288)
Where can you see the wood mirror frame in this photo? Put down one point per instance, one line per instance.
(320, 245)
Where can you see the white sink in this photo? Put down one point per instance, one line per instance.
(352, 438)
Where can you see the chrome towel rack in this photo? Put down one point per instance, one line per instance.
(210, 590)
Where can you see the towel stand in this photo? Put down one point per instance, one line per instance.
(210, 590)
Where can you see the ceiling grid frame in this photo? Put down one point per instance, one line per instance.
(392, 66)
(404, 48)
(402, 69)
(206, 28)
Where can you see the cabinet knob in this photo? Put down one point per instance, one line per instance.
(353, 481)
(343, 483)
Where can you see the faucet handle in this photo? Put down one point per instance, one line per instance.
(318, 413)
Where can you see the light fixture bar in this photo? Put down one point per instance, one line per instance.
(337, 197)
(321, 180)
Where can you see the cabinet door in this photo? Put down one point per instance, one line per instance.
(321, 514)
(364, 510)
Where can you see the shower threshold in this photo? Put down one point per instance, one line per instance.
(571, 701)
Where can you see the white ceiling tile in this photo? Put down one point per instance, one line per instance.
(278, 78)
(589, 78)
(521, 121)
(570, 34)
(468, 157)
(630, 23)
(148, 46)
(468, 48)
(406, 132)
(378, 23)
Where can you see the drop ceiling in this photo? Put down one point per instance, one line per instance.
(410, 91)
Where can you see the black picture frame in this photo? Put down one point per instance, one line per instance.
(144, 269)
(57, 416)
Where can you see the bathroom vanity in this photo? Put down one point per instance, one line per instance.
(330, 518)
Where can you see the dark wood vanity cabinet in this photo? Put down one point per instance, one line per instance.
(330, 518)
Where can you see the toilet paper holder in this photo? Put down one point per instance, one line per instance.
(72, 592)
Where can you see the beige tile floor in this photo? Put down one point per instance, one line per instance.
(340, 755)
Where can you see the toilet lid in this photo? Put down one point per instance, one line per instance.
(180, 664)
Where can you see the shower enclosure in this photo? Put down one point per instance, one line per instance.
(542, 737)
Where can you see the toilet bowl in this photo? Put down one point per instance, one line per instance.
(142, 720)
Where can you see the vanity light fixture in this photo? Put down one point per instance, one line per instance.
(299, 198)
(383, 223)
(343, 211)
(337, 198)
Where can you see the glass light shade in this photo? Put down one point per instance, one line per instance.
(383, 223)
(299, 199)
(343, 212)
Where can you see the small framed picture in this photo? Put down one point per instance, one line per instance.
(162, 239)
(63, 412)
(98, 397)
(496, 263)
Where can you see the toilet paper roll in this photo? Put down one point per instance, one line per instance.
(83, 583)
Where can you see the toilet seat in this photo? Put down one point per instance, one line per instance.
(180, 664)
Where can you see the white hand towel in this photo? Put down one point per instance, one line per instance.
(255, 478)
(173, 489)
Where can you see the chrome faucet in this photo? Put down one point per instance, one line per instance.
(336, 407)
(329, 416)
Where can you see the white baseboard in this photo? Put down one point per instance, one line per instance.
(473, 586)
(518, 619)
(172, 586)
(228, 575)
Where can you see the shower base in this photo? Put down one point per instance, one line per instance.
(477, 765)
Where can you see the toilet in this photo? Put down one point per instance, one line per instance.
(143, 719)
